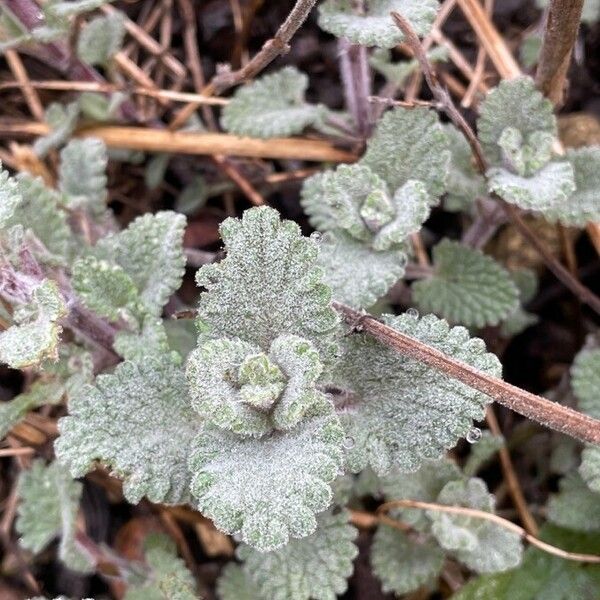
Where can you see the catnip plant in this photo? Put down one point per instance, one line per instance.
(295, 405)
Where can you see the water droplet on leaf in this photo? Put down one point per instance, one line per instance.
(413, 312)
(474, 435)
(349, 443)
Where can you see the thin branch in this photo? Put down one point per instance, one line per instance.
(279, 44)
(550, 414)
(10, 452)
(560, 35)
(487, 516)
(31, 96)
(443, 97)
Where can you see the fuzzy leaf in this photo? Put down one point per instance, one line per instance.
(374, 25)
(82, 174)
(36, 337)
(62, 121)
(357, 274)
(585, 381)
(464, 184)
(315, 567)
(410, 144)
(590, 468)
(237, 387)
(167, 577)
(39, 212)
(482, 452)
(401, 411)
(272, 106)
(267, 489)
(101, 39)
(268, 284)
(548, 191)
(467, 287)
(104, 288)
(527, 283)
(48, 508)
(480, 544)
(9, 197)
(150, 339)
(69, 8)
(402, 564)
(573, 492)
(150, 251)
(138, 422)
(312, 199)
(397, 72)
(236, 584)
(514, 103)
(39, 394)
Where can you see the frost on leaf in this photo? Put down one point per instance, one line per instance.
(39, 394)
(315, 567)
(467, 287)
(166, 577)
(590, 468)
(547, 191)
(101, 39)
(237, 387)
(585, 381)
(62, 121)
(357, 274)
(40, 212)
(518, 105)
(482, 545)
(401, 411)
(105, 288)
(267, 489)
(584, 205)
(138, 422)
(9, 196)
(272, 106)
(410, 144)
(150, 251)
(373, 25)
(403, 564)
(576, 506)
(35, 335)
(82, 175)
(269, 284)
(464, 184)
(49, 502)
(236, 584)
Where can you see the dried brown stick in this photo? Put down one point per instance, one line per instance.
(560, 34)
(550, 414)
(31, 96)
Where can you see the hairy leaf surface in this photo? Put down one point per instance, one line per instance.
(576, 506)
(101, 39)
(585, 380)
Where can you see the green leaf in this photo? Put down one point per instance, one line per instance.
(403, 412)
(138, 422)
(573, 492)
(482, 545)
(357, 274)
(527, 283)
(236, 584)
(410, 144)
(100, 107)
(268, 285)
(49, 502)
(40, 212)
(62, 121)
(373, 26)
(235, 386)
(315, 567)
(105, 288)
(167, 577)
(69, 8)
(150, 251)
(529, 52)
(585, 381)
(514, 103)
(403, 564)
(82, 175)
(267, 489)
(584, 204)
(397, 72)
(9, 197)
(548, 191)
(272, 106)
(467, 287)
(482, 452)
(590, 468)
(154, 172)
(464, 184)
(35, 337)
(39, 394)
(149, 339)
(101, 39)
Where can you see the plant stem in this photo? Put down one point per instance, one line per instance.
(550, 414)
(560, 34)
